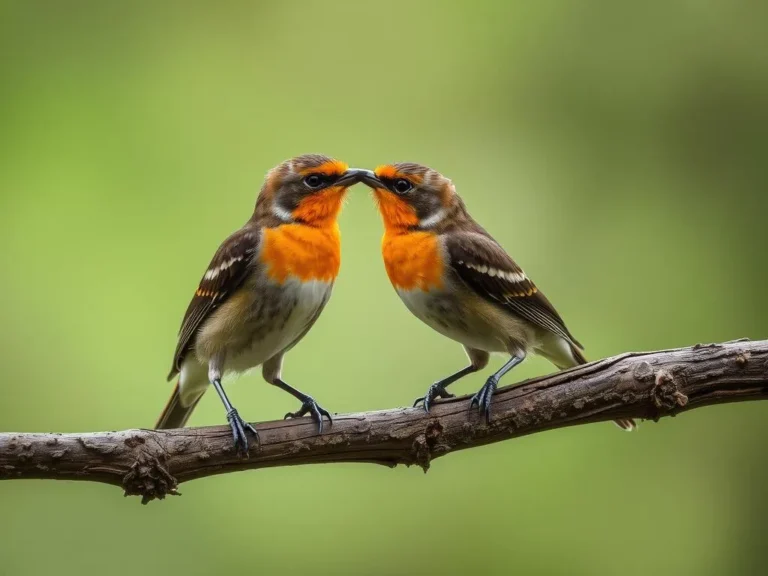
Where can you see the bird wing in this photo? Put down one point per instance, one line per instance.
(484, 266)
(225, 274)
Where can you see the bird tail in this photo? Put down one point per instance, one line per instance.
(175, 414)
(627, 424)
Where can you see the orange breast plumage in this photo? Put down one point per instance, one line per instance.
(413, 260)
(303, 252)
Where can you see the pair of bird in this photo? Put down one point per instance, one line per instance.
(268, 283)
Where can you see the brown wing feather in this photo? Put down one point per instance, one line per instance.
(225, 274)
(484, 266)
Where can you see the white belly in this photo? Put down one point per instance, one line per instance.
(470, 321)
(254, 325)
(302, 302)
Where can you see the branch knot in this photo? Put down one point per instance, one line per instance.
(425, 444)
(149, 479)
(666, 394)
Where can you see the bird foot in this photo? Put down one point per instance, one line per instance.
(435, 391)
(309, 406)
(239, 428)
(483, 398)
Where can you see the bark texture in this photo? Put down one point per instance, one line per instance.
(152, 464)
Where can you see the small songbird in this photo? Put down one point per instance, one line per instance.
(264, 289)
(456, 278)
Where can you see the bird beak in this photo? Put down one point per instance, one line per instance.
(368, 178)
(351, 177)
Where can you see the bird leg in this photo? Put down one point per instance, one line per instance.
(437, 390)
(308, 405)
(483, 397)
(236, 423)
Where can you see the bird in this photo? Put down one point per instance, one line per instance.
(452, 275)
(263, 290)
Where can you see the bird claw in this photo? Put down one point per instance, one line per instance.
(239, 428)
(483, 398)
(435, 391)
(309, 406)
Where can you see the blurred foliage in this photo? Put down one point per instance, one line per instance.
(617, 149)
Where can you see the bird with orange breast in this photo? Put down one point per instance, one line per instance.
(452, 275)
(264, 289)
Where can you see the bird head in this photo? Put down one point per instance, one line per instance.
(308, 189)
(411, 195)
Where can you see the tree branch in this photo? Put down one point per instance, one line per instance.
(151, 464)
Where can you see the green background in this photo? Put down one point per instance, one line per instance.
(618, 150)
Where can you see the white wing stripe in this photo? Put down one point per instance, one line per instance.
(513, 277)
(214, 272)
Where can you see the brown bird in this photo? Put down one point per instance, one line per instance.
(453, 276)
(264, 289)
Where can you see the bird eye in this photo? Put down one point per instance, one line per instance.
(401, 185)
(314, 181)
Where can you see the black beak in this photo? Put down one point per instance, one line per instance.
(369, 179)
(351, 177)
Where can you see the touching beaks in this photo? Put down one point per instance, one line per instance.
(350, 177)
(369, 179)
(355, 175)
